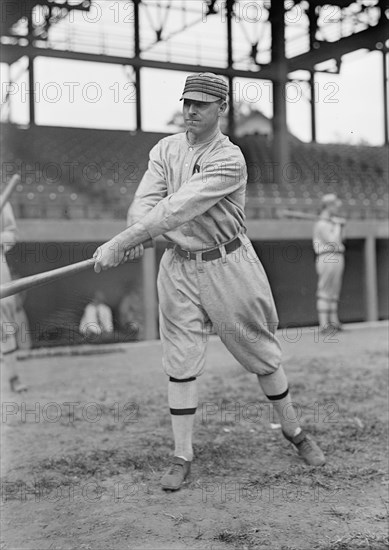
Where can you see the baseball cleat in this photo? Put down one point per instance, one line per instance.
(306, 447)
(331, 328)
(175, 476)
(337, 326)
(16, 385)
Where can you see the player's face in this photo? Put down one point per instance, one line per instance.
(334, 208)
(201, 118)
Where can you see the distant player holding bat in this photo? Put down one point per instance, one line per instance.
(328, 235)
(193, 193)
(8, 328)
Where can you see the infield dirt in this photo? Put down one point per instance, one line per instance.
(84, 450)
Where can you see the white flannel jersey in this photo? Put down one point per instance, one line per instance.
(327, 236)
(194, 195)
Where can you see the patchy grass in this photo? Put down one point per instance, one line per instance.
(358, 541)
(247, 538)
(339, 506)
(251, 538)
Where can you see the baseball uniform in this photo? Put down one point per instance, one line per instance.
(194, 195)
(7, 305)
(329, 250)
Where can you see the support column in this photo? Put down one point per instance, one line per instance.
(150, 305)
(31, 87)
(230, 61)
(371, 290)
(312, 18)
(280, 131)
(31, 77)
(137, 71)
(313, 106)
(385, 91)
(8, 99)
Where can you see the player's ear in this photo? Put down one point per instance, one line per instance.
(222, 107)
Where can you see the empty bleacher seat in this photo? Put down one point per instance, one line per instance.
(79, 173)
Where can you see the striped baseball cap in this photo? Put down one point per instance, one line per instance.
(205, 87)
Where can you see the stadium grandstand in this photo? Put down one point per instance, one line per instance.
(81, 173)
(76, 183)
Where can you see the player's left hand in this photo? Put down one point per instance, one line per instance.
(133, 254)
(109, 254)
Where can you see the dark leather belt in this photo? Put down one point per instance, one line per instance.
(209, 255)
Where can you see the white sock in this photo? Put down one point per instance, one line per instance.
(323, 312)
(275, 387)
(182, 430)
(183, 401)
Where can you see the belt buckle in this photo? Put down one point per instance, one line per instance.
(187, 254)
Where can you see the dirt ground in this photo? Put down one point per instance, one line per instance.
(84, 449)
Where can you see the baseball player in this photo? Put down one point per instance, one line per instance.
(193, 193)
(8, 344)
(329, 249)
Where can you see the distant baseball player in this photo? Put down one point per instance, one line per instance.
(329, 250)
(193, 193)
(9, 328)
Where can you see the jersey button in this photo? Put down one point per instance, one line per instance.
(190, 148)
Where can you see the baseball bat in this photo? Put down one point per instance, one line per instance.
(9, 190)
(297, 215)
(307, 216)
(39, 279)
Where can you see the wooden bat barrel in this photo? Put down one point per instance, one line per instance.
(13, 287)
(9, 190)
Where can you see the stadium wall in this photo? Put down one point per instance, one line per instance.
(56, 309)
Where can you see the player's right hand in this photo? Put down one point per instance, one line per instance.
(109, 254)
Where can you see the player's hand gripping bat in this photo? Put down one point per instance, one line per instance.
(13, 287)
